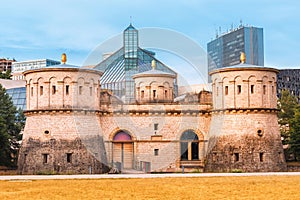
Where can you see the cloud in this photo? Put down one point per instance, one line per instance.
(81, 25)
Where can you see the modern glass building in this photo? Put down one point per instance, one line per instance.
(225, 49)
(289, 79)
(16, 90)
(127, 61)
(18, 96)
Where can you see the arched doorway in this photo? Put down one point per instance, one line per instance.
(123, 150)
(189, 146)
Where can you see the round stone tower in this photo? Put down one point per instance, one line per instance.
(154, 86)
(62, 133)
(244, 133)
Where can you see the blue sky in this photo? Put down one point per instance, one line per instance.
(35, 29)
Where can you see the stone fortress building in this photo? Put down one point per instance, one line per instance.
(74, 126)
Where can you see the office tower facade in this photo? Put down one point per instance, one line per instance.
(289, 79)
(225, 49)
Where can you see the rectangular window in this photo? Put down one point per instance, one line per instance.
(67, 89)
(217, 91)
(31, 91)
(45, 158)
(264, 89)
(53, 89)
(154, 94)
(272, 89)
(236, 157)
(261, 157)
(226, 90)
(166, 93)
(156, 152)
(239, 89)
(142, 94)
(41, 90)
(155, 127)
(91, 91)
(69, 157)
(252, 89)
(80, 90)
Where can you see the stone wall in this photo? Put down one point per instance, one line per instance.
(249, 142)
(58, 134)
(56, 156)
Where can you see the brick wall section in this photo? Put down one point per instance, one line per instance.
(31, 157)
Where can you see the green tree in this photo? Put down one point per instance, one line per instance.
(286, 105)
(11, 124)
(5, 75)
(295, 133)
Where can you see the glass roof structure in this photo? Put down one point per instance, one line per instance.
(124, 63)
(18, 96)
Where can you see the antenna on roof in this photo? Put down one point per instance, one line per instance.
(130, 20)
(241, 23)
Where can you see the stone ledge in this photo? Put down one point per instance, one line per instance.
(244, 110)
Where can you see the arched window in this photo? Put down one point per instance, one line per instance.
(189, 146)
(122, 136)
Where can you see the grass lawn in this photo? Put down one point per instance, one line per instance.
(260, 187)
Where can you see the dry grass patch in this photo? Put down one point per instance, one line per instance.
(268, 187)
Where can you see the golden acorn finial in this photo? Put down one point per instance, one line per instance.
(243, 57)
(64, 58)
(153, 64)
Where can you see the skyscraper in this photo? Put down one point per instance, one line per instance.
(225, 49)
